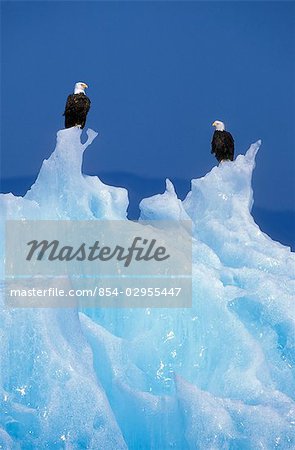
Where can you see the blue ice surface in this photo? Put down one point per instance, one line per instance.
(219, 375)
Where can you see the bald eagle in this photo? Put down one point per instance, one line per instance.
(77, 107)
(223, 144)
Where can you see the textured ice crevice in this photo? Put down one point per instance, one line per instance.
(209, 420)
(216, 421)
(6, 440)
(114, 352)
(138, 411)
(57, 376)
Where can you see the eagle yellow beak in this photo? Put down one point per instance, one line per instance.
(85, 85)
(213, 124)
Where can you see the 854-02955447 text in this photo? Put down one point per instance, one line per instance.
(44, 292)
(97, 291)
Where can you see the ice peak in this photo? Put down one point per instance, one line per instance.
(63, 192)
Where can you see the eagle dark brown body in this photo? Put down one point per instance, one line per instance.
(223, 145)
(76, 110)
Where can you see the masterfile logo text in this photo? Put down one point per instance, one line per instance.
(98, 263)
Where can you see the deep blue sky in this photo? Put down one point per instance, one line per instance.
(159, 73)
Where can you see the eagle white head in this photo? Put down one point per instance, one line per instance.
(218, 125)
(80, 88)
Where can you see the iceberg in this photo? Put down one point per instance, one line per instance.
(218, 375)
